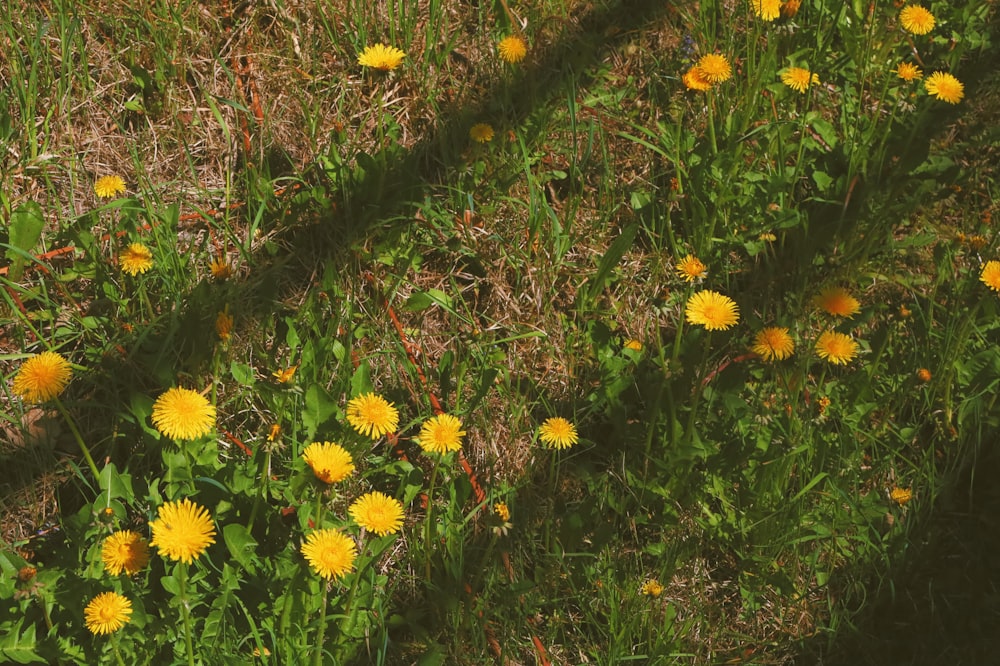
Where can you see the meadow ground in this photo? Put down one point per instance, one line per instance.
(589, 332)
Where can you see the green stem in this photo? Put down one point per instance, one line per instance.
(185, 611)
(428, 522)
(78, 436)
(118, 655)
(318, 655)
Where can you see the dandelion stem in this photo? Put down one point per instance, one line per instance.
(79, 438)
(318, 655)
(185, 611)
(427, 524)
(118, 655)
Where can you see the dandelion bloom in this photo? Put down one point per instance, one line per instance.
(693, 80)
(441, 434)
(799, 78)
(773, 344)
(224, 326)
(916, 19)
(908, 71)
(330, 553)
(651, 588)
(182, 530)
(331, 463)
(135, 259)
(124, 551)
(712, 310)
(502, 511)
(481, 133)
(766, 9)
(109, 186)
(945, 87)
(924, 375)
(220, 268)
(634, 345)
(512, 49)
(372, 415)
(990, 276)
(836, 348)
(107, 612)
(791, 8)
(381, 57)
(43, 377)
(378, 513)
(901, 495)
(181, 413)
(690, 268)
(558, 433)
(286, 375)
(714, 68)
(837, 302)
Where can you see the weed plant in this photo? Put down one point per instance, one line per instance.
(542, 332)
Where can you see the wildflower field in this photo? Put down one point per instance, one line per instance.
(545, 332)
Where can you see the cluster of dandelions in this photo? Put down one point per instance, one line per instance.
(918, 20)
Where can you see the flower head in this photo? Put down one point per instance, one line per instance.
(558, 433)
(901, 495)
(693, 80)
(990, 276)
(42, 377)
(182, 530)
(651, 588)
(633, 344)
(838, 302)
(712, 310)
(790, 8)
(502, 511)
(377, 512)
(512, 49)
(837, 348)
(330, 553)
(441, 434)
(916, 19)
(372, 415)
(945, 87)
(773, 344)
(224, 325)
(799, 78)
(690, 268)
(220, 268)
(924, 375)
(107, 612)
(135, 259)
(331, 463)
(766, 9)
(481, 133)
(124, 551)
(181, 413)
(381, 57)
(714, 68)
(908, 71)
(109, 186)
(286, 375)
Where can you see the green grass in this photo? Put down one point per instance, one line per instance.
(374, 246)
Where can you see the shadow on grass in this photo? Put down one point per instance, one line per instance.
(941, 602)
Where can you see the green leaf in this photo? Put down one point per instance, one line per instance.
(26, 225)
(611, 259)
(20, 648)
(319, 407)
(241, 545)
(242, 373)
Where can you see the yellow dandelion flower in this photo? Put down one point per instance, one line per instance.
(908, 72)
(502, 511)
(712, 310)
(766, 9)
(181, 413)
(651, 588)
(693, 80)
(274, 432)
(634, 345)
(109, 186)
(690, 268)
(838, 302)
(512, 49)
(286, 375)
(107, 613)
(331, 463)
(224, 325)
(924, 375)
(916, 19)
(372, 415)
(378, 513)
(481, 133)
(790, 8)
(441, 434)
(182, 530)
(799, 78)
(42, 377)
(220, 268)
(901, 495)
(837, 348)
(381, 57)
(124, 551)
(945, 87)
(135, 259)
(714, 68)
(330, 553)
(773, 344)
(990, 276)
(558, 433)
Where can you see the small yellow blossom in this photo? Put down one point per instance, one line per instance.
(109, 186)
(512, 49)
